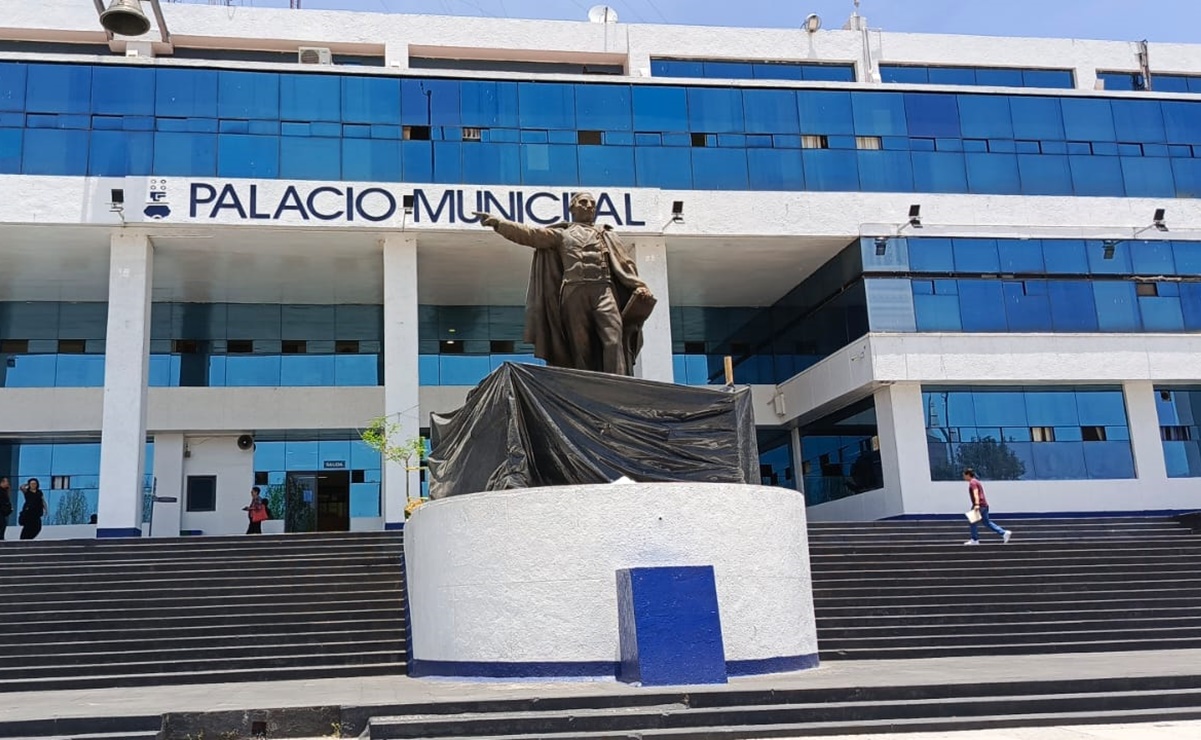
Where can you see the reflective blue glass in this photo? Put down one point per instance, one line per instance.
(883, 171)
(999, 77)
(436, 102)
(185, 154)
(1027, 307)
(310, 97)
(1148, 177)
(54, 152)
(775, 169)
(952, 76)
(123, 91)
(660, 108)
(829, 72)
(937, 313)
(1056, 78)
(1182, 121)
(939, 172)
(985, 116)
(612, 165)
(1020, 255)
(310, 158)
(248, 95)
(981, 306)
(549, 164)
(12, 86)
(546, 105)
(1161, 313)
(977, 256)
(882, 114)
(932, 115)
(715, 109)
(1043, 174)
(1152, 258)
(1059, 461)
(769, 71)
(370, 99)
(1138, 120)
(378, 160)
(825, 112)
(1117, 264)
(719, 169)
(58, 88)
(1117, 309)
(1037, 118)
(770, 111)
(831, 170)
(247, 156)
(606, 108)
(904, 74)
(1097, 176)
(120, 153)
(1088, 119)
(185, 93)
(1073, 307)
(488, 103)
(931, 255)
(993, 173)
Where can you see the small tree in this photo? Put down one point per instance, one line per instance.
(72, 508)
(387, 438)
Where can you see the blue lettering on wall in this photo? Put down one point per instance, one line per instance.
(380, 204)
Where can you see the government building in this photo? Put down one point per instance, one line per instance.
(229, 244)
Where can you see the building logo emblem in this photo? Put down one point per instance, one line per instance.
(157, 206)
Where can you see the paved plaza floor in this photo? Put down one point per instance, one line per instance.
(1148, 731)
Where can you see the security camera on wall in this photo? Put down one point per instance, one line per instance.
(245, 442)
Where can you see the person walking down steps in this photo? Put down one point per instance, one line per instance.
(975, 489)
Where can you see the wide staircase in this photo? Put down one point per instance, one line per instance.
(103, 613)
(911, 589)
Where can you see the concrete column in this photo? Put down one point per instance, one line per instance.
(168, 483)
(798, 461)
(401, 389)
(1145, 439)
(654, 362)
(126, 368)
(903, 454)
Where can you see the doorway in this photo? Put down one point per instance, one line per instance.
(318, 502)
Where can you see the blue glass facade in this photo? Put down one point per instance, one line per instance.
(921, 74)
(841, 454)
(1028, 433)
(68, 473)
(461, 345)
(1180, 429)
(110, 120)
(327, 451)
(1159, 82)
(726, 69)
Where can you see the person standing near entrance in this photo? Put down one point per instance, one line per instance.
(256, 511)
(975, 489)
(6, 505)
(33, 510)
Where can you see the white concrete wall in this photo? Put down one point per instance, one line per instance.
(219, 455)
(479, 594)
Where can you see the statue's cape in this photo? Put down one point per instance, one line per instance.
(543, 319)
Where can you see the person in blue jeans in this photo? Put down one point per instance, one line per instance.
(975, 489)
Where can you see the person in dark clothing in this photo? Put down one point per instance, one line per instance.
(33, 510)
(6, 505)
(975, 489)
(256, 511)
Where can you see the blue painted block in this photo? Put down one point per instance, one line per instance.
(670, 626)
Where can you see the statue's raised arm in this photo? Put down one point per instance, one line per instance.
(530, 236)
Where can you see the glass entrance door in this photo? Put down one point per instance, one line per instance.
(300, 507)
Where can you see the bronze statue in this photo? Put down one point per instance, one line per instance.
(585, 304)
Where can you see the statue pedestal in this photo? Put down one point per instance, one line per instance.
(524, 584)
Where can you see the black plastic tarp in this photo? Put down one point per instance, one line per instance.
(529, 425)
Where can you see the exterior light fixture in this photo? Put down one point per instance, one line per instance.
(677, 211)
(1157, 220)
(915, 216)
(813, 23)
(881, 246)
(1108, 247)
(407, 202)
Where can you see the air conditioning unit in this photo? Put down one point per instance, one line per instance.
(314, 55)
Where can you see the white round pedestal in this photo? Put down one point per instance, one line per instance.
(522, 584)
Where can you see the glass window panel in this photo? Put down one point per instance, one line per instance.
(775, 169)
(1065, 256)
(252, 370)
(310, 158)
(939, 172)
(829, 72)
(1152, 258)
(58, 88)
(1161, 313)
(463, 369)
(547, 105)
(248, 95)
(1056, 78)
(1020, 255)
(999, 77)
(719, 169)
(1097, 176)
(931, 114)
(937, 313)
(879, 114)
(931, 255)
(1027, 310)
(1119, 264)
(1059, 461)
(770, 111)
(1000, 408)
(307, 370)
(976, 255)
(121, 153)
(1043, 174)
(888, 172)
(1182, 121)
(10, 150)
(123, 91)
(1187, 174)
(185, 155)
(432, 102)
(1101, 407)
(1188, 257)
(368, 99)
(310, 97)
(1036, 118)
(185, 93)
(1073, 308)
(831, 170)
(1148, 177)
(904, 74)
(549, 164)
(1117, 308)
(604, 107)
(993, 173)
(603, 165)
(890, 305)
(660, 108)
(489, 104)
(373, 160)
(55, 152)
(12, 86)
(985, 117)
(1138, 120)
(727, 70)
(489, 163)
(770, 71)
(952, 76)
(664, 167)
(1051, 408)
(242, 155)
(825, 112)
(1088, 119)
(981, 305)
(715, 109)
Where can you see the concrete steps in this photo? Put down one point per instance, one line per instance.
(105, 613)
(910, 589)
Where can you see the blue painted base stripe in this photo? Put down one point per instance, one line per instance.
(118, 532)
(393, 526)
(588, 669)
